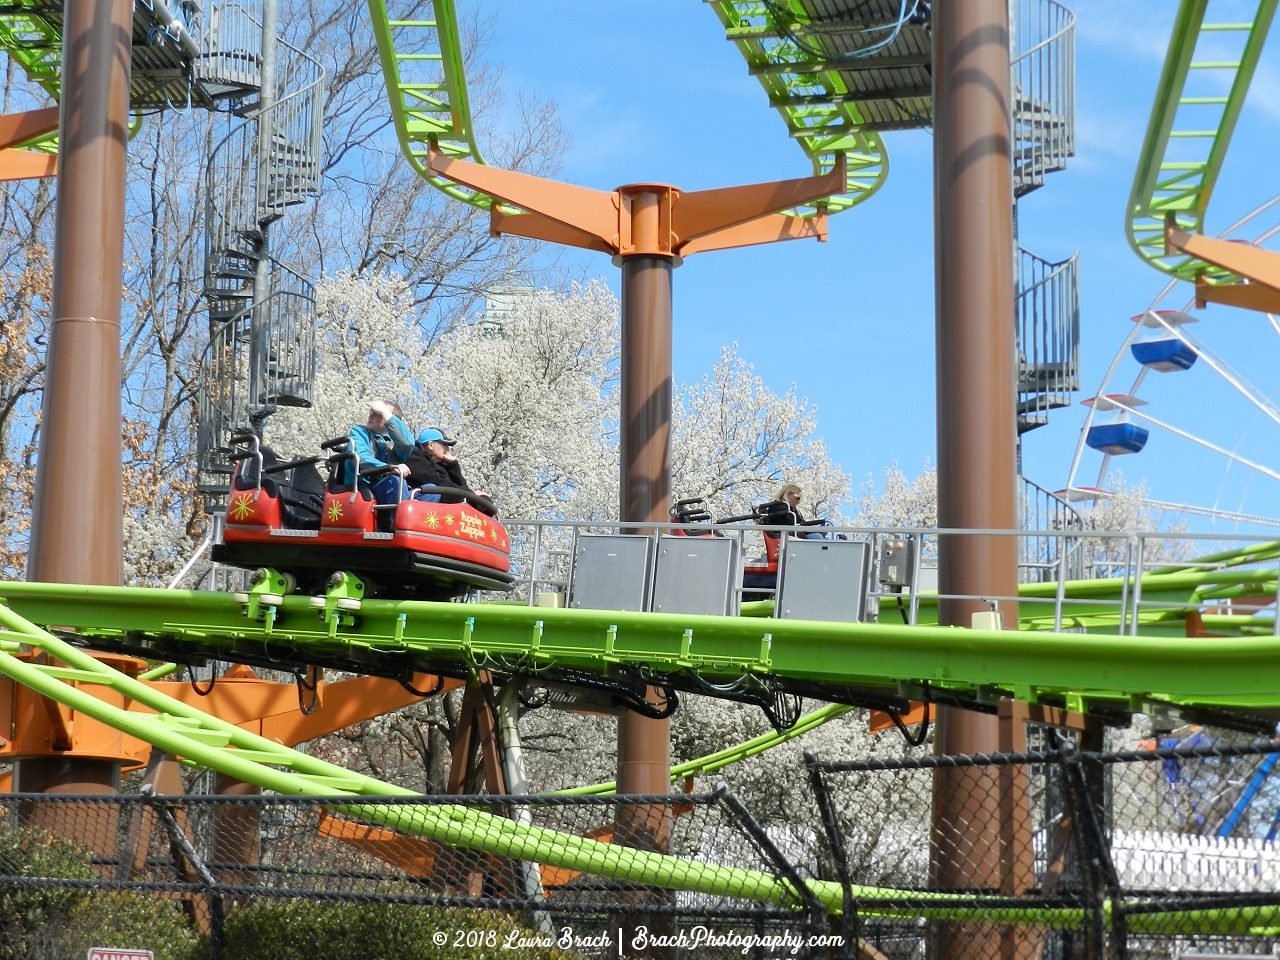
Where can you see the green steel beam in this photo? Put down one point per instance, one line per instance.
(533, 641)
(1178, 168)
(730, 755)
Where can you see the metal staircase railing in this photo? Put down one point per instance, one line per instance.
(285, 324)
(230, 61)
(261, 352)
(1042, 90)
(1047, 314)
(1039, 509)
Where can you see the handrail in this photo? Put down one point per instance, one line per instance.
(1166, 187)
(1042, 90)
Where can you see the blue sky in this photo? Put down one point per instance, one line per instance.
(651, 91)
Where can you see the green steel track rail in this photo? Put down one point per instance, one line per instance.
(206, 741)
(730, 755)
(1190, 129)
(811, 101)
(867, 664)
(423, 66)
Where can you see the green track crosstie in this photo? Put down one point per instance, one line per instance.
(1197, 105)
(423, 66)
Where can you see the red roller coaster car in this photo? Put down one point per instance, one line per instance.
(283, 515)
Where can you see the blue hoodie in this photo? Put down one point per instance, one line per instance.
(379, 449)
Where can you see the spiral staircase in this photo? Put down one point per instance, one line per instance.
(261, 353)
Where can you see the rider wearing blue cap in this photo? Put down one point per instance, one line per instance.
(432, 463)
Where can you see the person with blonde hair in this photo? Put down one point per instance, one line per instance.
(790, 494)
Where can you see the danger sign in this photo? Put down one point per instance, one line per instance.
(116, 953)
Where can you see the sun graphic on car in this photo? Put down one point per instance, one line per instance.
(242, 507)
(430, 520)
(335, 510)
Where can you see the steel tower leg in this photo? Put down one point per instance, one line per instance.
(643, 744)
(976, 403)
(76, 534)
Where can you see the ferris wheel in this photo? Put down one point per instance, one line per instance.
(1212, 404)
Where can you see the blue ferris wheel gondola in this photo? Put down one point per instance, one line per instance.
(1165, 356)
(1117, 438)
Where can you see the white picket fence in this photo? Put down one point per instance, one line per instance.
(1175, 861)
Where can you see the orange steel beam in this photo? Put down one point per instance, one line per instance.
(264, 707)
(26, 165)
(1253, 263)
(21, 127)
(534, 226)
(646, 218)
(768, 229)
(1247, 296)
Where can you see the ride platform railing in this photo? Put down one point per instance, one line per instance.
(1071, 577)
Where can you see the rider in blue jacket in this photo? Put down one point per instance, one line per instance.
(383, 440)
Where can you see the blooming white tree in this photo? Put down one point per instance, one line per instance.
(735, 442)
(902, 502)
(534, 404)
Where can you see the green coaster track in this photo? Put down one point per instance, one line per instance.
(1197, 105)
(423, 65)
(207, 741)
(1124, 662)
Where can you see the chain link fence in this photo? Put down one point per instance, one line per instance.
(271, 876)
(1055, 853)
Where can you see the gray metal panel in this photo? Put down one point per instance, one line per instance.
(611, 572)
(696, 575)
(823, 580)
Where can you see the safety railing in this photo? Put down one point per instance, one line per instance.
(1042, 90)
(1094, 583)
(1050, 849)
(230, 62)
(1038, 560)
(261, 358)
(1048, 336)
(252, 178)
(228, 861)
(1056, 849)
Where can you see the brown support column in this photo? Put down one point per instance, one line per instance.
(236, 829)
(76, 534)
(76, 531)
(643, 744)
(95, 825)
(973, 253)
(644, 762)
